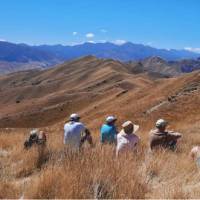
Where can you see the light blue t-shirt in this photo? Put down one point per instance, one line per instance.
(108, 133)
(72, 134)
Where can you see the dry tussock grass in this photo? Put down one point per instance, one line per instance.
(8, 190)
(91, 173)
(96, 172)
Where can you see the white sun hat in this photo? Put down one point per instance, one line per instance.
(34, 132)
(110, 119)
(128, 123)
(74, 116)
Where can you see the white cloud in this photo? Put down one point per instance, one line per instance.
(2, 40)
(74, 33)
(119, 42)
(89, 35)
(103, 30)
(196, 50)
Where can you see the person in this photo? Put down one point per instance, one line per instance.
(33, 139)
(195, 154)
(127, 140)
(159, 137)
(108, 131)
(75, 133)
(42, 138)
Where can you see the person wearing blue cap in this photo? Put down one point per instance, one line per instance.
(108, 132)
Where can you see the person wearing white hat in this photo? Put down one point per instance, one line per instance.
(75, 133)
(127, 140)
(159, 137)
(108, 131)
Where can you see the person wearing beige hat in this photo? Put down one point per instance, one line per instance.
(160, 137)
(127, 140)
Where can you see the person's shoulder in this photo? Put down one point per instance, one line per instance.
(80, 124)
(66, 124)
(136, 136)
(106, 127)
(153, 132)
(120, 134)
(103, 125)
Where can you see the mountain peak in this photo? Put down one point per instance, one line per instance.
(156, 59)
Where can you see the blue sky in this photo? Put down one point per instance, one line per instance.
(159, 23)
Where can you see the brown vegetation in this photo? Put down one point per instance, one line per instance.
(96, 173)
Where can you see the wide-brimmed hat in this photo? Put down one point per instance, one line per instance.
(161, 123)
(110, 119)
(74, 116)
(128, 123)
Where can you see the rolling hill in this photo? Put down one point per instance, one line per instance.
(38, 98)
(96, 88)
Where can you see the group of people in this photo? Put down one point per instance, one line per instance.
(75, 134)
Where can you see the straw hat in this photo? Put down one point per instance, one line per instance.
(128, 123)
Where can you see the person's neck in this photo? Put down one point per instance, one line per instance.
(128, 133)
(162, 130)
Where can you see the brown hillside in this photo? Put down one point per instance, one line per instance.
(94, 87)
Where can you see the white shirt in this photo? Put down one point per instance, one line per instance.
(72, 134)
(126, 142)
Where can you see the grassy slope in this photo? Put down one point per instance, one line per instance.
(163, 175)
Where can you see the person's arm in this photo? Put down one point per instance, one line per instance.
(102, 136)
(65, 134)
(173, 135)
(151, 144)
(87, 137)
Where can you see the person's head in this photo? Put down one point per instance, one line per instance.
(33, 134)
(161, 124)
(129, 127)
(74, 117)
(110, 120)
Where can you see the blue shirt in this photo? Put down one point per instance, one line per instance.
(108, 133)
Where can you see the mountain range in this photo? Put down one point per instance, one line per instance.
(17, 57)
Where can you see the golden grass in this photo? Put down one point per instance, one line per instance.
(96, 172)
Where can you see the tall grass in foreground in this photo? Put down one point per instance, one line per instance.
(96, 172)
(90, 174)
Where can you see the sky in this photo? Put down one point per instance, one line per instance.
(158, 23)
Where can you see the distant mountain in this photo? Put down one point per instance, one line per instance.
(23, 53)
(17, 57)
(125, 52)
(161, 67)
